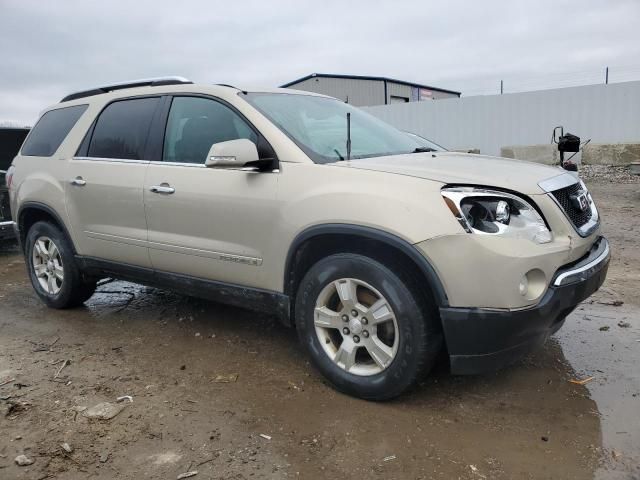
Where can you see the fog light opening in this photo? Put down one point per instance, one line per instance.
(533, 284)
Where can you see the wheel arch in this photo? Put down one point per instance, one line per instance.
(319, 241)
(32, 212)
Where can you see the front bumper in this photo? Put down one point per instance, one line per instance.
(481, 340)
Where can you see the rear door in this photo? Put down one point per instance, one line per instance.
(104, 192)
(206, 222)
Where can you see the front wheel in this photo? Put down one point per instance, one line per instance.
(365, 326)
(52, 268)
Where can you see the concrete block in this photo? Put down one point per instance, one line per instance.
(546, 154)
(619, 154)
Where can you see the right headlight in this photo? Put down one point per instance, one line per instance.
(491, 212)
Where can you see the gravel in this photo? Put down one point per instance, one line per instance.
(607, 174)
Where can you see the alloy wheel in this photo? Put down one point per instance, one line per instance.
(47, 265)
(356, 326)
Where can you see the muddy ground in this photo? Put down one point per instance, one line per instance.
(275, 417)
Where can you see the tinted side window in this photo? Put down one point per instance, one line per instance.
(51, 130)
(195, 124)
(122, 128)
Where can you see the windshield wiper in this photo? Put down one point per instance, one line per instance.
(338, 153)
(424, 149)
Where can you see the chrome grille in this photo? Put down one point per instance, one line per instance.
(563, 196)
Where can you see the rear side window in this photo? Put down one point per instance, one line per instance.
(122, 129)
(51, 130)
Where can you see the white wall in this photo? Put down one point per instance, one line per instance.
(604, 113)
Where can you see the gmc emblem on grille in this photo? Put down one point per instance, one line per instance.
(580, 201)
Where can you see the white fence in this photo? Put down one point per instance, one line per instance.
(604, 113)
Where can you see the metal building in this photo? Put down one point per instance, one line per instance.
(363, 91)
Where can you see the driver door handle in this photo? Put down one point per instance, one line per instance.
(164, 188)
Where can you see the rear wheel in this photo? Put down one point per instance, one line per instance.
(365, 326)
(52, 267)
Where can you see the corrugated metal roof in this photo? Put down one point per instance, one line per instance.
(364, 77)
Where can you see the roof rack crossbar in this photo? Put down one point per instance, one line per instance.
(144, 82)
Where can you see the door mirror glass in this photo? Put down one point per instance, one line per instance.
(232, 154)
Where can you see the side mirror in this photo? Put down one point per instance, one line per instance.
(232, 154)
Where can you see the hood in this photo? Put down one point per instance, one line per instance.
(462, 168)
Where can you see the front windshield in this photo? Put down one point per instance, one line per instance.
(318, 125)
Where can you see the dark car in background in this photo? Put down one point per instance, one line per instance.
(10, 142)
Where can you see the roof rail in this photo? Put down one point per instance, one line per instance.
(144, 82)
(230, 86)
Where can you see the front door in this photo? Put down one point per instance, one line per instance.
(205, 222)
(105, 190)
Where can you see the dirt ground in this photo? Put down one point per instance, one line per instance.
(230, 394)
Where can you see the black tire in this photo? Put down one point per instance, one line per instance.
(420, 333)
(75, 288)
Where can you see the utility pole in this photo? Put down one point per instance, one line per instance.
(606, 76)
(501, 87)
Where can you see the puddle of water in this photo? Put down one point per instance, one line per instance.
(597, 346)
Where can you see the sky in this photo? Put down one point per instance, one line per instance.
(52, 48)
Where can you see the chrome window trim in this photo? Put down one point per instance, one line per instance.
(169, 164)
(113, 160)
(178, 164)
(202, 165)
(594, 263)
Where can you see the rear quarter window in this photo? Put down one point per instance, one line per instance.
(50, 131)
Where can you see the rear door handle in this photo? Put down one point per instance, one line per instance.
(164, 188)
(78, 182)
